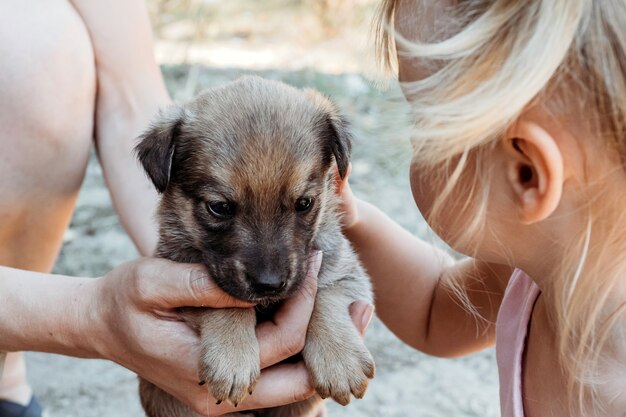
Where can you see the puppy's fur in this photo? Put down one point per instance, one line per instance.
(246, 177)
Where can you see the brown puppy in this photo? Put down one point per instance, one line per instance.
(246, 177)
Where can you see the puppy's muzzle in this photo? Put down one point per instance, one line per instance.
(266, 283)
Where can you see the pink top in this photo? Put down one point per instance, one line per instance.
(511, 330)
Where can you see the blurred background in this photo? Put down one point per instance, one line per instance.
(322, 44)
(326, 35)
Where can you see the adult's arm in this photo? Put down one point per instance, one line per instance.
(130, 92)
(129, 316)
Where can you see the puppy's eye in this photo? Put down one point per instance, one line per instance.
(304, 204)
(221, 209)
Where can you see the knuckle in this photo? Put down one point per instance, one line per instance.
(301, 395)
(198, 283)
(293, 343)
(141, 268)
(200, 407)
(137, 282)
(142, 283)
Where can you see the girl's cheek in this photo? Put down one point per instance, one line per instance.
(450, 220)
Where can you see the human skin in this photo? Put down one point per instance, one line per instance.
(528, 224)
(428, 316)
(69, 77)
(129, 316)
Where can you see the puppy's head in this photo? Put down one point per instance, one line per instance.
(245, 173)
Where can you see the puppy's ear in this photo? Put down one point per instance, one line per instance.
(335, 131)
(339, 140)
(157, 144)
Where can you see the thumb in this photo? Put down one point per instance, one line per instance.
(169, 284)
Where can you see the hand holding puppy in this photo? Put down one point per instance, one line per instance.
(142, 331)
(139, 328)
(129, 316)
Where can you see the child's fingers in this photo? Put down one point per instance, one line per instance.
(284, 336)
(348, 202)
(340, 183)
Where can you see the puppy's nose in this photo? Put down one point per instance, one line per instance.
(266, 282)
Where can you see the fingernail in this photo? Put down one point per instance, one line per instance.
(366, 318)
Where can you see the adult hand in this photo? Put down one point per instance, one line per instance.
(134, 322)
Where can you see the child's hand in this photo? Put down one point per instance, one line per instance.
(348, 206)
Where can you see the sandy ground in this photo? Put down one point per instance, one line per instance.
(408, 384)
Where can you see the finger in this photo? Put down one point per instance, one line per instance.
(340, 183)
(361, 313)
(347, 197)
(323, 412)
(284, 336)
(169, 284)
(279, 385)
(344, 182)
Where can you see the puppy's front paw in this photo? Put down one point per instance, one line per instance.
(229, 360)
(230, 374)
(339, 368)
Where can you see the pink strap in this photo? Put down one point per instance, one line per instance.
(511, 331)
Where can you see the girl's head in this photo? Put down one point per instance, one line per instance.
(520, 147)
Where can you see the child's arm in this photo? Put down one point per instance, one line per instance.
(410, 298)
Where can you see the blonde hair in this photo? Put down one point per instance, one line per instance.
(505, 56)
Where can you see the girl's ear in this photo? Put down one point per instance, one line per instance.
(534, 167)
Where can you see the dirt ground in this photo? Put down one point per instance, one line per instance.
(199, 50)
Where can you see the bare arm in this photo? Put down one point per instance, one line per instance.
(36, 304)
(130, 316)
(130, 91)
(410, 298)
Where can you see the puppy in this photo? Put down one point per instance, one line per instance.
(246, 174)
